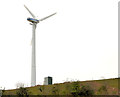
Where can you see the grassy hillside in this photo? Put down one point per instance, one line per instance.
(98, 87)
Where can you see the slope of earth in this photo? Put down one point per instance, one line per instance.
(99, 87)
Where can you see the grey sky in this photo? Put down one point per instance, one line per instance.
(79, 42)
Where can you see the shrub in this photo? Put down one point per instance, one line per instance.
(3, 90)
(75, 88)
(103, 90)
(86, 91)
(83, 91)
(22, 92)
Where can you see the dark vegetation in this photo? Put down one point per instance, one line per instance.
(83, 90)
(22, 92)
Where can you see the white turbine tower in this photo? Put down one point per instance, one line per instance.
(34, 23)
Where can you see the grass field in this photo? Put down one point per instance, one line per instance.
(100, 87)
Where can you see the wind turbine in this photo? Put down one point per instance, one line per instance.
(34, 23)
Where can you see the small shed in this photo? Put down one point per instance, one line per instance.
(48, 80)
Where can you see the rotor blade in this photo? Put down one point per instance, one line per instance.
(30, 11)
(47, 17)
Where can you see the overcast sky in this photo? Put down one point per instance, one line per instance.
(80, 42)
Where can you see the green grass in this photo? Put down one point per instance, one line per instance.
(66, 88)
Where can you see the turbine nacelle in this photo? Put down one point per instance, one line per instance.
(34, 20)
